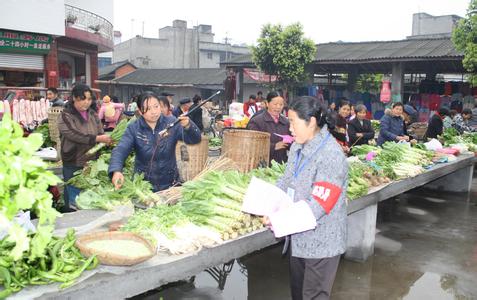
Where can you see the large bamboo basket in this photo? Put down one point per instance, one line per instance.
(53, 114)
(247, 148)
(191, 159)
(107, 258)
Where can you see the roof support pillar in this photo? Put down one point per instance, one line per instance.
(397, 81)
(352, 78)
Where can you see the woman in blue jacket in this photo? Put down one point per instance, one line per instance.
(392, 124)
(155, 155)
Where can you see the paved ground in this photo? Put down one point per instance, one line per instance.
(426, 248)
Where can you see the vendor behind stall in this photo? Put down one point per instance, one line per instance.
(155, 154)
(80, 129)
(436, 124)
(392, 126)
(273, 122)
(360, 130)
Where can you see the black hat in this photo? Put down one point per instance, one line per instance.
(166, 94)
(185, 101)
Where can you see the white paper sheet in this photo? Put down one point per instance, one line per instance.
(295, 218)
(263, 198)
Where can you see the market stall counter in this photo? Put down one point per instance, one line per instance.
(108, 282)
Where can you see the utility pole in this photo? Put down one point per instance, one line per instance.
(226, 41)
(142, 29)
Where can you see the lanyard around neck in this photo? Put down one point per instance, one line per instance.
(299, 167)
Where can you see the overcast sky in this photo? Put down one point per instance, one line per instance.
(323, 21)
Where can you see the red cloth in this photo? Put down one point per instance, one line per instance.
(448, 89)
(246, 107)
(434, 102)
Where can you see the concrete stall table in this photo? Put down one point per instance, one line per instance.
(120, 282)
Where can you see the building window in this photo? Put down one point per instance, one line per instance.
(210, 55)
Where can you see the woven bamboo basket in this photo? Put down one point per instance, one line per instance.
(107, 258)
(191, 159)
(247, 148)
(53, 114)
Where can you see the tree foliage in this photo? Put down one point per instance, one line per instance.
(465, 37)
(369, 82)
(284, 52)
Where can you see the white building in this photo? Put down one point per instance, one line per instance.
(177, 47)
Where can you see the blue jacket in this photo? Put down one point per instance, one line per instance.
(391, 127)
(155, 156)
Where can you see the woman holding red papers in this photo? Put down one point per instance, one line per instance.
(315, 179)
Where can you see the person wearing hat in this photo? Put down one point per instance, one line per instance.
(409, 114)
(184, 106)
(169, 98)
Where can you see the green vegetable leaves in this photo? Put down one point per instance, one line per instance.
(23, 186)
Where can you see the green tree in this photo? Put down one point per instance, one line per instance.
(284, 52)
(369, 82)
(465, 37)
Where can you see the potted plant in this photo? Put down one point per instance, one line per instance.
(95, 28)
(71, 19)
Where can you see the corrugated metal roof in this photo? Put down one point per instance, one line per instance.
(387, 50)
(175, 77)
(424, 48)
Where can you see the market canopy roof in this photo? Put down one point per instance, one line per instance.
(418, 55)
(200, 78)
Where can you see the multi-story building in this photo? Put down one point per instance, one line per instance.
(177, 47)
(54, 44)
(428, 26)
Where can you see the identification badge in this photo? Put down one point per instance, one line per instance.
(291, 193)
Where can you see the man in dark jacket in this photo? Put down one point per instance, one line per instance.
(196, 116)
(436, 125)
(52, 96)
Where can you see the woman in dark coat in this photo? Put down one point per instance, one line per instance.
(360, 130)
(274, 123)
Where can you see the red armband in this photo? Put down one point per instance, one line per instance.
(326, 194)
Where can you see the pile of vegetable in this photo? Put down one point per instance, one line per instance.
(376, 125)
(116, 135)
(215, 142)
(98, 192)
(61, 263)
(397, 161)
(30, 256)
(451, 138)
(24, 181)
(44, 130)
(362, 176)
(209, 212)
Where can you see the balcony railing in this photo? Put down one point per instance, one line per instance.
(88, 21)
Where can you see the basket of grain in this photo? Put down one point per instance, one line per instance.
(116, 248)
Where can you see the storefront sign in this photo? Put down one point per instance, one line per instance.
(18, 42)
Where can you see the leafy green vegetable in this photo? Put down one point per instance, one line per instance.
(61, 263)
(98, 191)
(215, 142)
(116, 135)
(24, 181)
(44, 130)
